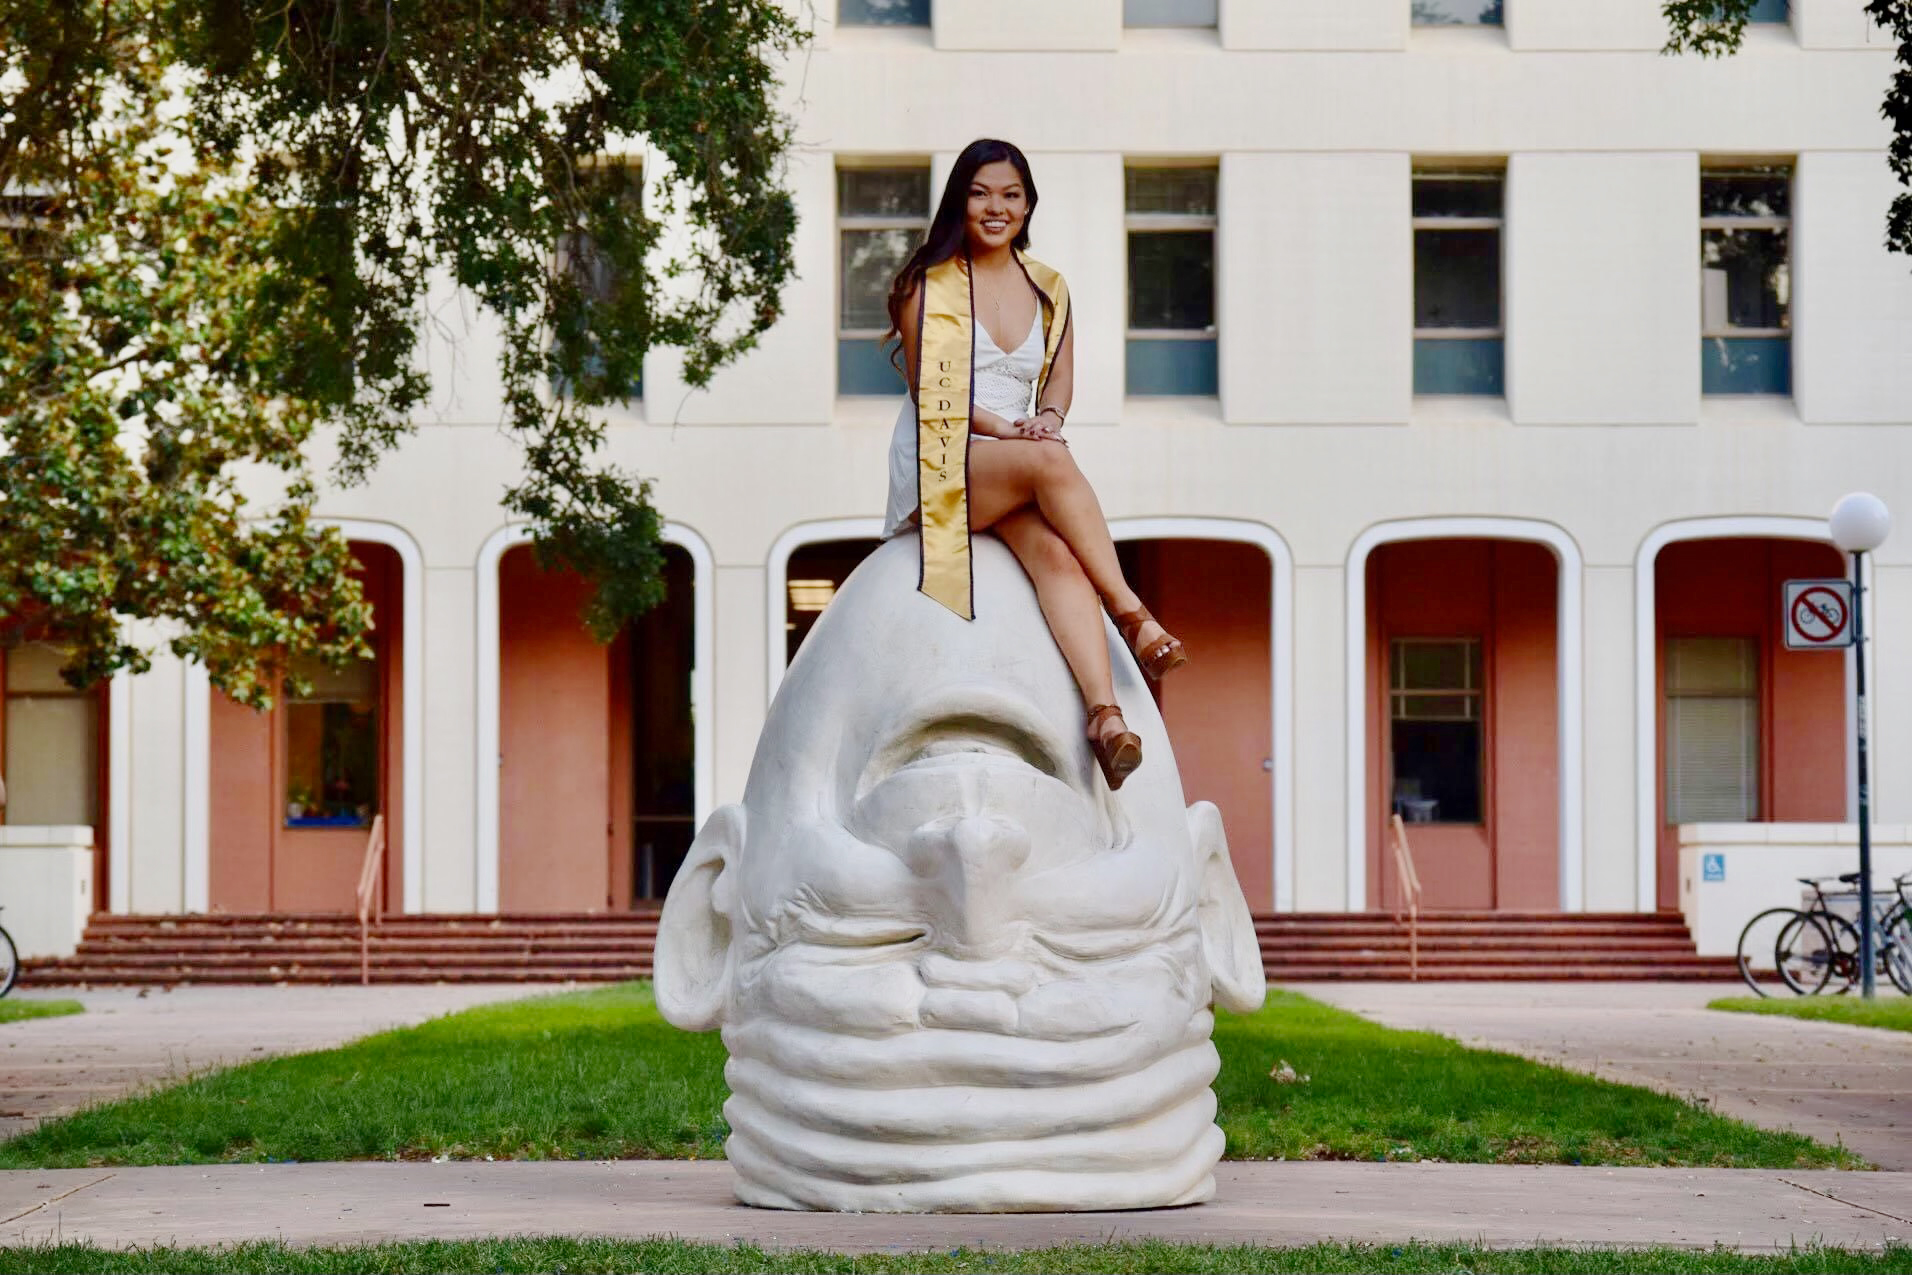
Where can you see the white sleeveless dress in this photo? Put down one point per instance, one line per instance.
(1003, 383)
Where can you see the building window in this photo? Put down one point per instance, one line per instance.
(1712, 730)
(1169, 13)
(1746, 280)
(332, 736)
(600, 287)
(1457, 13)
(1436, 711)
(1458, 334)
(52, 741)
(1770, 11)
(883, 13)
(1171, 227)
(882, 215)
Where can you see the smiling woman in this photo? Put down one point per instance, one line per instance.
(953, 969)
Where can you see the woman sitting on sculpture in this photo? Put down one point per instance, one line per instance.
(960, 309)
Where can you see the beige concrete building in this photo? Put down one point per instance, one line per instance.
(1463, 390)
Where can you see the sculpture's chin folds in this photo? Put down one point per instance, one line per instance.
(954, 972)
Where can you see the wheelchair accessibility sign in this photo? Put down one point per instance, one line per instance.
(1712, 867)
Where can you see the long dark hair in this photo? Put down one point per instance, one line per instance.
(948, 230)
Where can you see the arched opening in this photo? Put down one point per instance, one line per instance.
(294, 789)
(1462, 721)
(1217, 595)
(812, 575)
(1745, 730)
(596, 742)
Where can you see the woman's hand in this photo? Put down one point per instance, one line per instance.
(1043, 427)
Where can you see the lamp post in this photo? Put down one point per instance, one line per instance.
(1860, 523)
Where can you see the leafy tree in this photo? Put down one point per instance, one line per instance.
(218, 221)
(1714, 28)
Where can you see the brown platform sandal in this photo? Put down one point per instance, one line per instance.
(1161, 658)
(1119, 755)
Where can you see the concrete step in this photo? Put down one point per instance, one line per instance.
(559, 946)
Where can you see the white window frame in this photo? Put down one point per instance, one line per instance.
(1735, 221)
(864, 221)
(1189, 223)
(1497, 224)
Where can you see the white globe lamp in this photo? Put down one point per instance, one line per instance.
(1860, 522)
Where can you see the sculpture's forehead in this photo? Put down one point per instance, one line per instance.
(883, 656)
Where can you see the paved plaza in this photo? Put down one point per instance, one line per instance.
(1286, 1203)
(1831, 1082)
(131, 1038)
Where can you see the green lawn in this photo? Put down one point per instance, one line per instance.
(577, 1257)
(13, 1011)
(598, 1075)
(1890, 1010)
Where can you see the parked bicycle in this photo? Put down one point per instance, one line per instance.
(1806, 950)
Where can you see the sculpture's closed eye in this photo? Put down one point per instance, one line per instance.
(871, 932)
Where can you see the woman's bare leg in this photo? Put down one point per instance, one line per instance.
(1069, 603)
(1009, 474)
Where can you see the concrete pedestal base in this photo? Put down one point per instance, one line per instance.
(46, 887)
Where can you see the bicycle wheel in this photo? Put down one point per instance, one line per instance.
(1765, 946)
(1806, 953)
(9, 963)
(1895, 948)
(1842, 961)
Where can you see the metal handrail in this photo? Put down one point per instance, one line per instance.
(371, 895)
(1410, 882)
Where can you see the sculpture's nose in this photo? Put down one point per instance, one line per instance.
(970, 861)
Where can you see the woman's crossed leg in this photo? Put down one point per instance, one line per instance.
(1039, 503)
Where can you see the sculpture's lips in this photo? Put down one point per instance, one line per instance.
(940, 1056)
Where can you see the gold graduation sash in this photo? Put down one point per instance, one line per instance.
(946, 354)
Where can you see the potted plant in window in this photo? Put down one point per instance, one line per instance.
(298, 801)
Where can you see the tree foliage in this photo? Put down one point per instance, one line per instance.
(1715, 28)
(221, 220)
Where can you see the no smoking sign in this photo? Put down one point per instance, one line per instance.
(1818, 615)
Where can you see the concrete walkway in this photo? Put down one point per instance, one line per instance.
(1826, 1080)
(1287, 1203)
(126, 1041)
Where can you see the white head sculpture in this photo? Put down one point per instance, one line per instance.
(953, 970)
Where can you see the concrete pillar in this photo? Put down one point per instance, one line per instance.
(1315, 288)
(1575, 25)
(448, 859)
(1079, 230)
(1312, 24)
(1321, 780)
(1888, 686)
(1609, 868)
(1852, 299)
(1836, 24)
(1053, 25)
(156, 857)
(742, 628)
(1614, 233)
(790, 377)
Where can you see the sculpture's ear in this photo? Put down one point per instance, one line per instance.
(691, 968)
(1228, 931)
